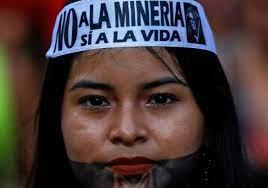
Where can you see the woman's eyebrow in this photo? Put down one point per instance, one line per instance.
(88, 84)
(162, 81)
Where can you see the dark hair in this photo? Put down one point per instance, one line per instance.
(210, 88)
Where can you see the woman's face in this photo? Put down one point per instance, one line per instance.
(126, 103)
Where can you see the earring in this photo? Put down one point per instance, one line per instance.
(207, 164)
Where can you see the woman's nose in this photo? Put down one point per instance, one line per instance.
(128, 128)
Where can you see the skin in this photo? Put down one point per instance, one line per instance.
(130, 118)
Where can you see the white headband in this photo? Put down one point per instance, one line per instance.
(96, 24)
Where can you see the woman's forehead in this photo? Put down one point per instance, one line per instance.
(119, 53)
(128, 62)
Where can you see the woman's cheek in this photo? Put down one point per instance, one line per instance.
(82, 136)
(178, 132)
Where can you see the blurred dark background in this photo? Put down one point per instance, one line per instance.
(241, 31)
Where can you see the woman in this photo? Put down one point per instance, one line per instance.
(129, 101)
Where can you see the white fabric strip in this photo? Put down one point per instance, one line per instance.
(97, 24)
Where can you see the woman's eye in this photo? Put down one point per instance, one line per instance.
(162, 99)
(94, 101)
